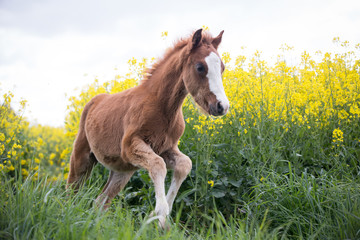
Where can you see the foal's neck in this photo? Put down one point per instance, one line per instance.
(167, 85)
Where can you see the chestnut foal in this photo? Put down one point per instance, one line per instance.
(140, 127)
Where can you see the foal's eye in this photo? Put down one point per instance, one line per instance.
(200, 68)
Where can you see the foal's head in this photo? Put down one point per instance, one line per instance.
(203, 73)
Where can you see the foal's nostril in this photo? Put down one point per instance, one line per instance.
(219, 108)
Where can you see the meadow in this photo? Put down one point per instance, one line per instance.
(284, 163)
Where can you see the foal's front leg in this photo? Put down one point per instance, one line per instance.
(138, 153)
(181, 164)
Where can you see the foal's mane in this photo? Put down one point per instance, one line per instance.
(178, 48)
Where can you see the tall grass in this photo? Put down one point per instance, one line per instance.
(44, 210)
(280, 206)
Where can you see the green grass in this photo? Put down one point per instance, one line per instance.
(286, 205)
(40, 210)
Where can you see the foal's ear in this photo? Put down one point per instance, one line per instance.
(216, 41)
(196, 39)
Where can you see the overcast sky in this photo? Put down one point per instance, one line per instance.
(52, 48)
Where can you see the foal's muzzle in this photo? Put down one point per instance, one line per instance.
(218, 109)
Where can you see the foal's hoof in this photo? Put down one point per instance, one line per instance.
(102, 204)
(165, 225)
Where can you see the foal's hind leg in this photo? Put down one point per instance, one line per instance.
(115, 183)
(81, 162)
(181, 164)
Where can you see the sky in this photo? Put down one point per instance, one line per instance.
(50, 50)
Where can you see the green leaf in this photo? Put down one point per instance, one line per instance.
(185, 194)
(236, 183)
(218, 193)
(221, 145)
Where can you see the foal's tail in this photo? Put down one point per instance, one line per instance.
(84, 116)
(82, 159)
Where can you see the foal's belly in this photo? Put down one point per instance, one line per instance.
(114, 163)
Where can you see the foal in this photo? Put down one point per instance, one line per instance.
(140, 127)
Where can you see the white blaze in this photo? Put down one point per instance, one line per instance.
(213, 62)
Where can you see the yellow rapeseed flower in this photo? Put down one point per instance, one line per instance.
(338, 136)
(13, 152)
(164, 34)
(24, 172)
(2, 137)
(52, 156)
(211, 183)
(40, 141)
(2, 148)
(16, 146)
